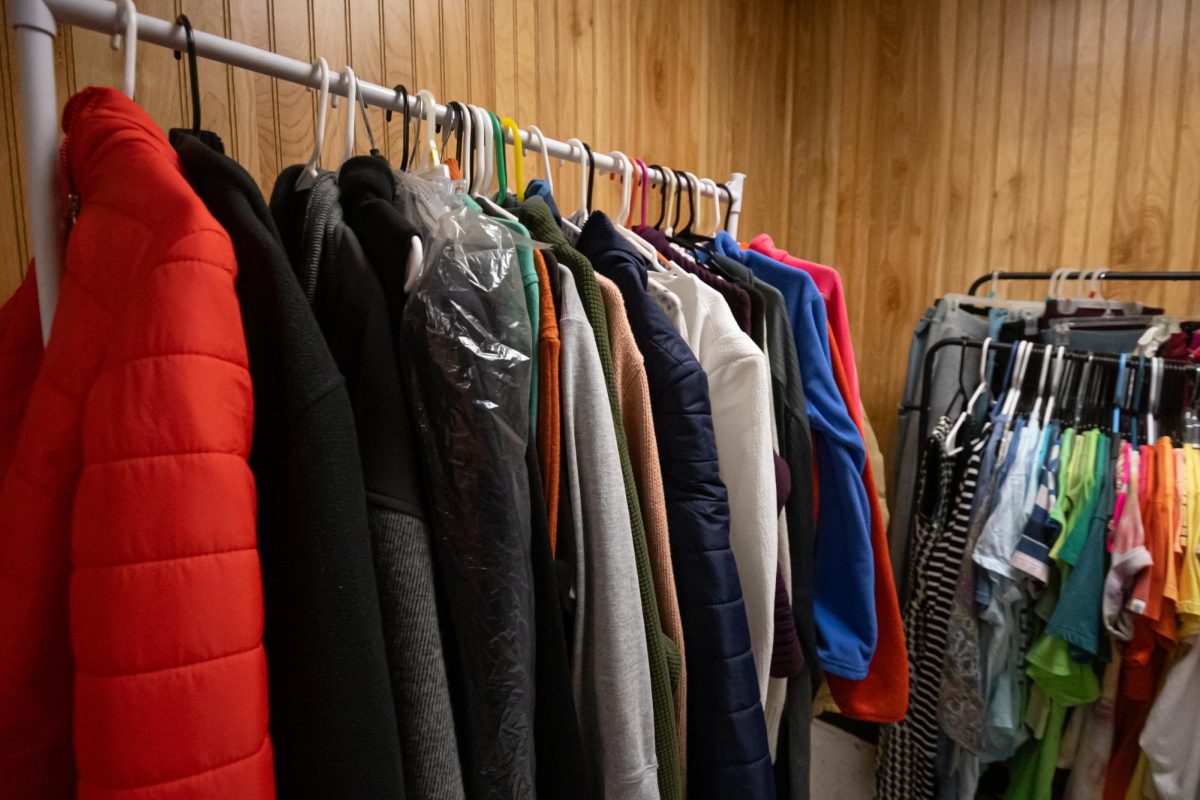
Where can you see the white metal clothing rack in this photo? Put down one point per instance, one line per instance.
(36, 23)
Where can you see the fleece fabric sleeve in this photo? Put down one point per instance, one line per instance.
(882, 696)
(844, 569)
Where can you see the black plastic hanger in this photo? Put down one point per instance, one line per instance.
(961, 392)
(686, 230)
(591, 179)
(683, 185)
(662, 208)
(401, 92)
(458, 115)
(1136, 405)
(728, 205)
(193, 71)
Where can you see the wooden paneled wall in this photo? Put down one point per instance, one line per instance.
(938, 140)
(913, 144)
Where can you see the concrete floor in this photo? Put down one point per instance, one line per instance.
(843, 766)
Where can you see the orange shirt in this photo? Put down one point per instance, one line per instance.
(548, 411)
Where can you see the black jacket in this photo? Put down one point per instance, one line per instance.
(420, 684)
(332, 725)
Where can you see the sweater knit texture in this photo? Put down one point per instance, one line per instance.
(633, 390)
(536, 216)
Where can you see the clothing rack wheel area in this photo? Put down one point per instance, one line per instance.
(36, 23)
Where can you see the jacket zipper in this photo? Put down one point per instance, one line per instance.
(73, 200)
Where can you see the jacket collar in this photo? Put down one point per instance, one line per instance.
(96, 118)
(600, 243)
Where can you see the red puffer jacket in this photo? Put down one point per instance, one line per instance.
(131, 658)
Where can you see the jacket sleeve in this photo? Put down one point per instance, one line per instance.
(843, 564)
(165, 598)
(740, 393)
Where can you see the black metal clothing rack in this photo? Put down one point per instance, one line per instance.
(1104, 275)
(1076, 356)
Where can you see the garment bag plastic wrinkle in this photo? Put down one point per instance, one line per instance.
(467, 331)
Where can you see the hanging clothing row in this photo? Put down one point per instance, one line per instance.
(1050, 560)
(404, 484)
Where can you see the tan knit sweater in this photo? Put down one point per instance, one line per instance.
(633, 393)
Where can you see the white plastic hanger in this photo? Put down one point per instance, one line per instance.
(1023, 308)
(429, 162)
(534, 130)
(578, 145)
(1034, 413)
(1018, 377)
(1055, 383)
(483, 142)
(308, 175)
(716, 192)
(351, 110)
(672, 196)
(643, 247)
(129, 17)
(626, 184)
(949, 446)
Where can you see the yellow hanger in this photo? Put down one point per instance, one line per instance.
(518, 155)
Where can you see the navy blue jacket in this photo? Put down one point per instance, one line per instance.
(727, 736)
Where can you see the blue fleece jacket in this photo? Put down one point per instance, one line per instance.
(844, 571)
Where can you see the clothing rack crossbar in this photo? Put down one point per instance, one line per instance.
(36, 23)
(1104, 275)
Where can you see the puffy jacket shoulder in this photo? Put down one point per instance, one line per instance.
(133, 522)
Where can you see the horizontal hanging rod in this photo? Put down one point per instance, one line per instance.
(106, 18)
(1104, 275)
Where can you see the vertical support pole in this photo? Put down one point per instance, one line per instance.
(737, 184)
(36, 29)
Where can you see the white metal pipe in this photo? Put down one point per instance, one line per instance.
(35, 44)
(35, 21)
(99, 15)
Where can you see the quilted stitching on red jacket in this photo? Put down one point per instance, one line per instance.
(131, 658)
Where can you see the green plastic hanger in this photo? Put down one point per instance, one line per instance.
(501, 165)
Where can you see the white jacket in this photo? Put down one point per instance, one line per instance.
(739, 387)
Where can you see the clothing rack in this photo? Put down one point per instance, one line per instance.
(1104, 275)
(1078, 356)
(36, 23)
